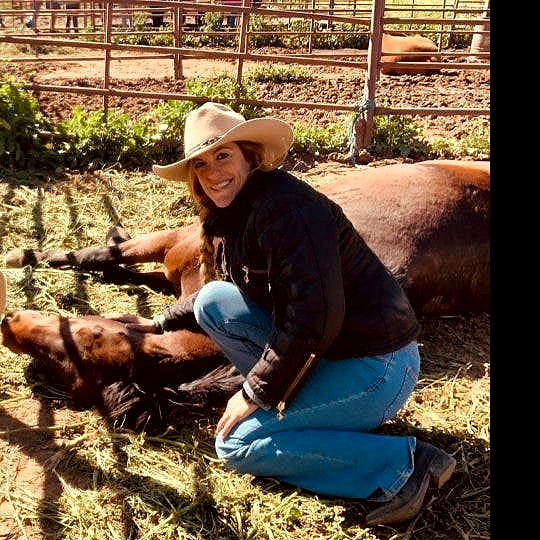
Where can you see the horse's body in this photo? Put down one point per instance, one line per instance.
(404, 48)
(428, 222)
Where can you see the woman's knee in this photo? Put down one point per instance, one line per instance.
(214, 291)
(209, 299)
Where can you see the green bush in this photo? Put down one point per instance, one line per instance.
(475, 143)
(279, 74)
(212, 21)
(271, 37)
(356, 37)
(221, 86)
(397, 136)
(96, 139)
(167, 125)
(318, 140)
(20, 126)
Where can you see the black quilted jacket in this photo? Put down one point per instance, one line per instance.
(293, 251)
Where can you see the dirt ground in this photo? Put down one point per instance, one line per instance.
(469, 88)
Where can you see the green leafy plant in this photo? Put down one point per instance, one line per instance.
(212, 21)
(397, 136)
(346, 35)
(95, 139)
(299, 40)
(140, 21)
(442, 148)
(213, 34)
(476, 143)
(319, 140)
(167, 121)
(271, 36)
(222, 85)
(21, 126)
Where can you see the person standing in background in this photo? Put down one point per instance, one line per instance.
(72, 18)
(232, 17)
(31, 22)
(54, 6)
(158, 16)
(126, 15)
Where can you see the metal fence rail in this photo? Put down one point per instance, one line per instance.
(473, 20)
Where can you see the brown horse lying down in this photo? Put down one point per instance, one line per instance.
(402, 48)
(428, 222)
(141, 382)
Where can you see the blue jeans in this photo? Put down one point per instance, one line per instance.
(323, 442)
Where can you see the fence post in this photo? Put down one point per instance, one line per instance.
(242, 46)
(363, 122)
(178, 16)
(107, 40)
(481, 38)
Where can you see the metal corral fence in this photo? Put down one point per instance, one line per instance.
(95, 27)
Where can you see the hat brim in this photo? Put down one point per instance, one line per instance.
(275, 136)
(3, 293)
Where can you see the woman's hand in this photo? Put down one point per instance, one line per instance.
(133, 322)
(145, 328)
(237, 409)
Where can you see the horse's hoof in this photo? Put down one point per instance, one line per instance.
(116, 235)
(17, 258)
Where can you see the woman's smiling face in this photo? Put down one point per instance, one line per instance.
(222, 172)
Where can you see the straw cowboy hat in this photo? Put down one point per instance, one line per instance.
(213, 124)
(3, 293)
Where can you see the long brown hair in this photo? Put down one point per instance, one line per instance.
(253, 153)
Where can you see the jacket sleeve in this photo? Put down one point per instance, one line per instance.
(302, 248)
(180, 315)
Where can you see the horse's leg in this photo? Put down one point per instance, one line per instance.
(119, 274)
(107, 260)
(113, 258)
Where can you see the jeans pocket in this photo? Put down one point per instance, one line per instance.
(408, 383)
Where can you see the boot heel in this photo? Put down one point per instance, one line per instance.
(441, 469)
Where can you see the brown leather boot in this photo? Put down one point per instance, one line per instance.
(431, 466)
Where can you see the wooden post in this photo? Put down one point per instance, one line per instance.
(178, 16)
(242, 46)
(312, 28)
(107, 67)
(481, 38)
(363, 123)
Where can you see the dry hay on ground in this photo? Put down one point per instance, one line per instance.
(61, 465)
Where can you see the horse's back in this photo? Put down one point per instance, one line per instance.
(429, 222)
